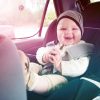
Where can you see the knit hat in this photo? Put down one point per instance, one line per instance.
(75, 16)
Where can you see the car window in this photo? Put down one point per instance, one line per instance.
(50, 16)
(92, 1)
(22, 18)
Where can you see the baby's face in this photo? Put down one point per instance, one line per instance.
(68, 32)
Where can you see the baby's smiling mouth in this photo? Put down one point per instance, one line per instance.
(68, 38)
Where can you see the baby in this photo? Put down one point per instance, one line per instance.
(68, 57)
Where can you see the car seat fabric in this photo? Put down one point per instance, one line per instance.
(12, 85)
(93, 70)
(91, 15)
(76, 89)
(91, 35)
(51, 33)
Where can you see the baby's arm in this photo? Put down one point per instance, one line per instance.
(75, 68)
(41, 56)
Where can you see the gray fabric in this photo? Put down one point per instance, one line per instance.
(11, 78)
(80, 50)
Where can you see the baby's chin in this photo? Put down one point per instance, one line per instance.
(66, 44)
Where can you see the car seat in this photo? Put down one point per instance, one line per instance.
(12, 85)
(51, 32)
(90, 35)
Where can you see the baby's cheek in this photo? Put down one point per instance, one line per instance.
(61, 40)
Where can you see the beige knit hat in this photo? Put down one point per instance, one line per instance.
(75, 16)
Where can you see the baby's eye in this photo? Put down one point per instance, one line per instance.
(74, 28)
(63, 29)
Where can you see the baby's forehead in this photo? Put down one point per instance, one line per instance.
(65, 22)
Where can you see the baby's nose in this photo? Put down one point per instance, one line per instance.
(68, 31)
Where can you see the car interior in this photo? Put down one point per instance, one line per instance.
(8, 48)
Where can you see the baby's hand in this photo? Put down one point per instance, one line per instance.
(46, 57)
(55, 58)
